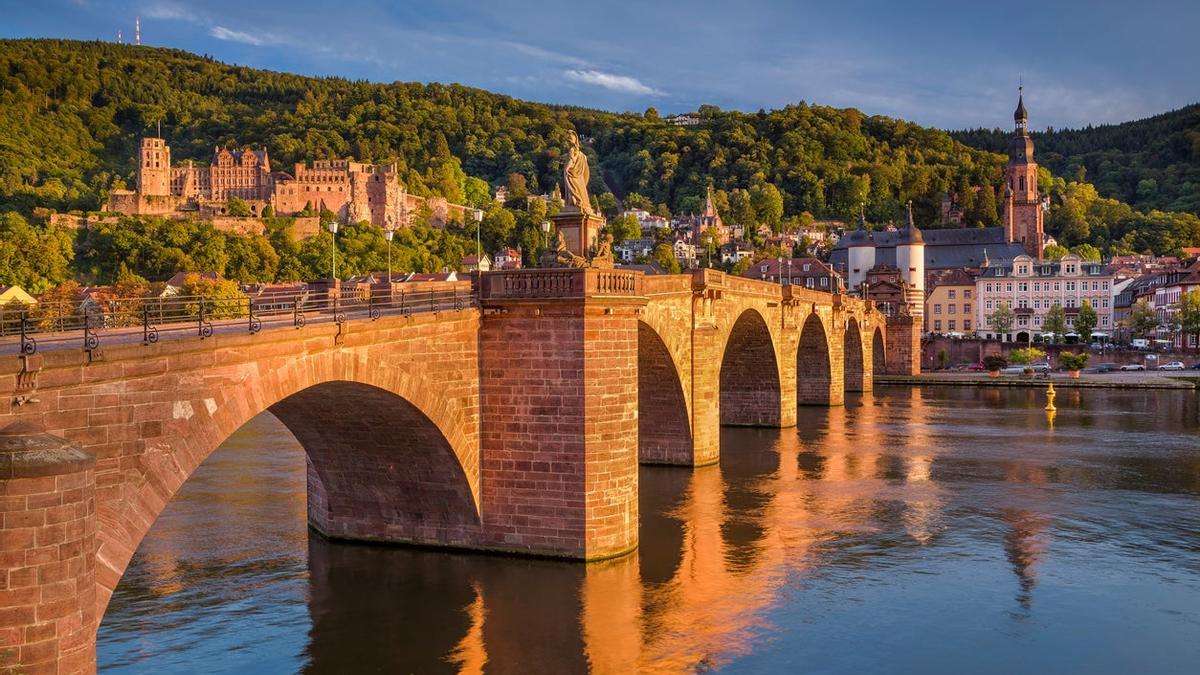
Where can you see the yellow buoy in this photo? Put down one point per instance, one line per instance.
(1050, 394)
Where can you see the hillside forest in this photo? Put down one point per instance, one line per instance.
(71, 115)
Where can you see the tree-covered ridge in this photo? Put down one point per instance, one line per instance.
(71, 114)
(1152, 163)
(826, 161)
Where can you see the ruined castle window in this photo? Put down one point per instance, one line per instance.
(1022, 183)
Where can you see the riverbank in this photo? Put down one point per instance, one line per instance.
(1118, 380)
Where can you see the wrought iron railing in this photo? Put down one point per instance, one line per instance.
(95, 321)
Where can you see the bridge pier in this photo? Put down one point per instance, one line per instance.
(559, 416)
(47, 553)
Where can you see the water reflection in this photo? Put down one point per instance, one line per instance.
(841, 545)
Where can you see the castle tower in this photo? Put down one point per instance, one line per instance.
(1023, 212)
(154, 168)
(860, 254)
(910, 258)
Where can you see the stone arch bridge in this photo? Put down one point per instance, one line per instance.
(512, 423)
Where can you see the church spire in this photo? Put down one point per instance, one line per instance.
(1021, 116)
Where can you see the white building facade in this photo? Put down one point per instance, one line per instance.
(1032, 287)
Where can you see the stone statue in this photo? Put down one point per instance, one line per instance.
(561, 255)
(603, 258)
(576, 175)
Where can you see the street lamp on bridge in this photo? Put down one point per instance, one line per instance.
(388, 234)
(332, 226)
(477, 214)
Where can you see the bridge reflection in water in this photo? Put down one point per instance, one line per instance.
(789, 532)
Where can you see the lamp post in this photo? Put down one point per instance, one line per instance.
(477, 214)
(789, 276)
(332, 226)
(780, 272)
(388, 234)
(546, 233)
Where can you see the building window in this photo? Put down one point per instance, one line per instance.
(952, 308)
(1009, 287)
(966, 294)
(1070, 285)
(937, 325)
(937, 309)
(953, 324)
(950, 293)
(966, 308)
(1023, 287)
(966, 324)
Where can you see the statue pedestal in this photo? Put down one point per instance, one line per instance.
(581, 230)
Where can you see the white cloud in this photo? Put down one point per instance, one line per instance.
(170, 11)
(259, 40)
(619, 83)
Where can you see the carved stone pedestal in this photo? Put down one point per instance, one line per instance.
(581, 230)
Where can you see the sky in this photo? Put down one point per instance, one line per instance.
(945, 64)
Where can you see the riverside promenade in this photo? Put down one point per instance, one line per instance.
(1150, 379)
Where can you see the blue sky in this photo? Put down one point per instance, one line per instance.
(947, 64)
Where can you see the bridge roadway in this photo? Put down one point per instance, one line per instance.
(514, 424)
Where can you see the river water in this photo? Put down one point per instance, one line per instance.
(935, 530)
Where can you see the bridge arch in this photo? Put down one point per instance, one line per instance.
(664, 425)
(852, 357)
(878, 353)
(750, 389)
(814, 368)
(390, 432)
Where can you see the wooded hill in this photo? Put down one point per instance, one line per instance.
(71, 114)
(1152, 163)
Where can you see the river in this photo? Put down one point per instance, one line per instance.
(934, 530)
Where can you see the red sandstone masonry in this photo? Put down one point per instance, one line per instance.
(556, 390)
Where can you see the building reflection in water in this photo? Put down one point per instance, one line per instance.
(906, 477)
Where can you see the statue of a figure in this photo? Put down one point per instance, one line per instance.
(603, 257)
(561, 255)
(576, 176)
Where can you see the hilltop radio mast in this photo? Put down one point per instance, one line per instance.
(137, 30)
(119, 37)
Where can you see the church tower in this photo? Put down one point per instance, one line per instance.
(154, 168)
(1022, 203)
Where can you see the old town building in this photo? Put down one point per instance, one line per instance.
(950, 303)
(806, 272)
(1031, 287)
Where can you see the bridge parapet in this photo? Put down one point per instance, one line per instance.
(542, 284)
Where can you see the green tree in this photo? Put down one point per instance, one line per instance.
(498, 227)
(1026, 355)
(1087, 252)
(741, 209)
(608, 204)
(1055, 252)
(221, 297)
(1001, 320)
(1085, 322)
(1142, 319)
(518, 186)
(624, 228)
(768, 205)
(1055, 322)
(1186, 319)
(664, 255)
(236, 206)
